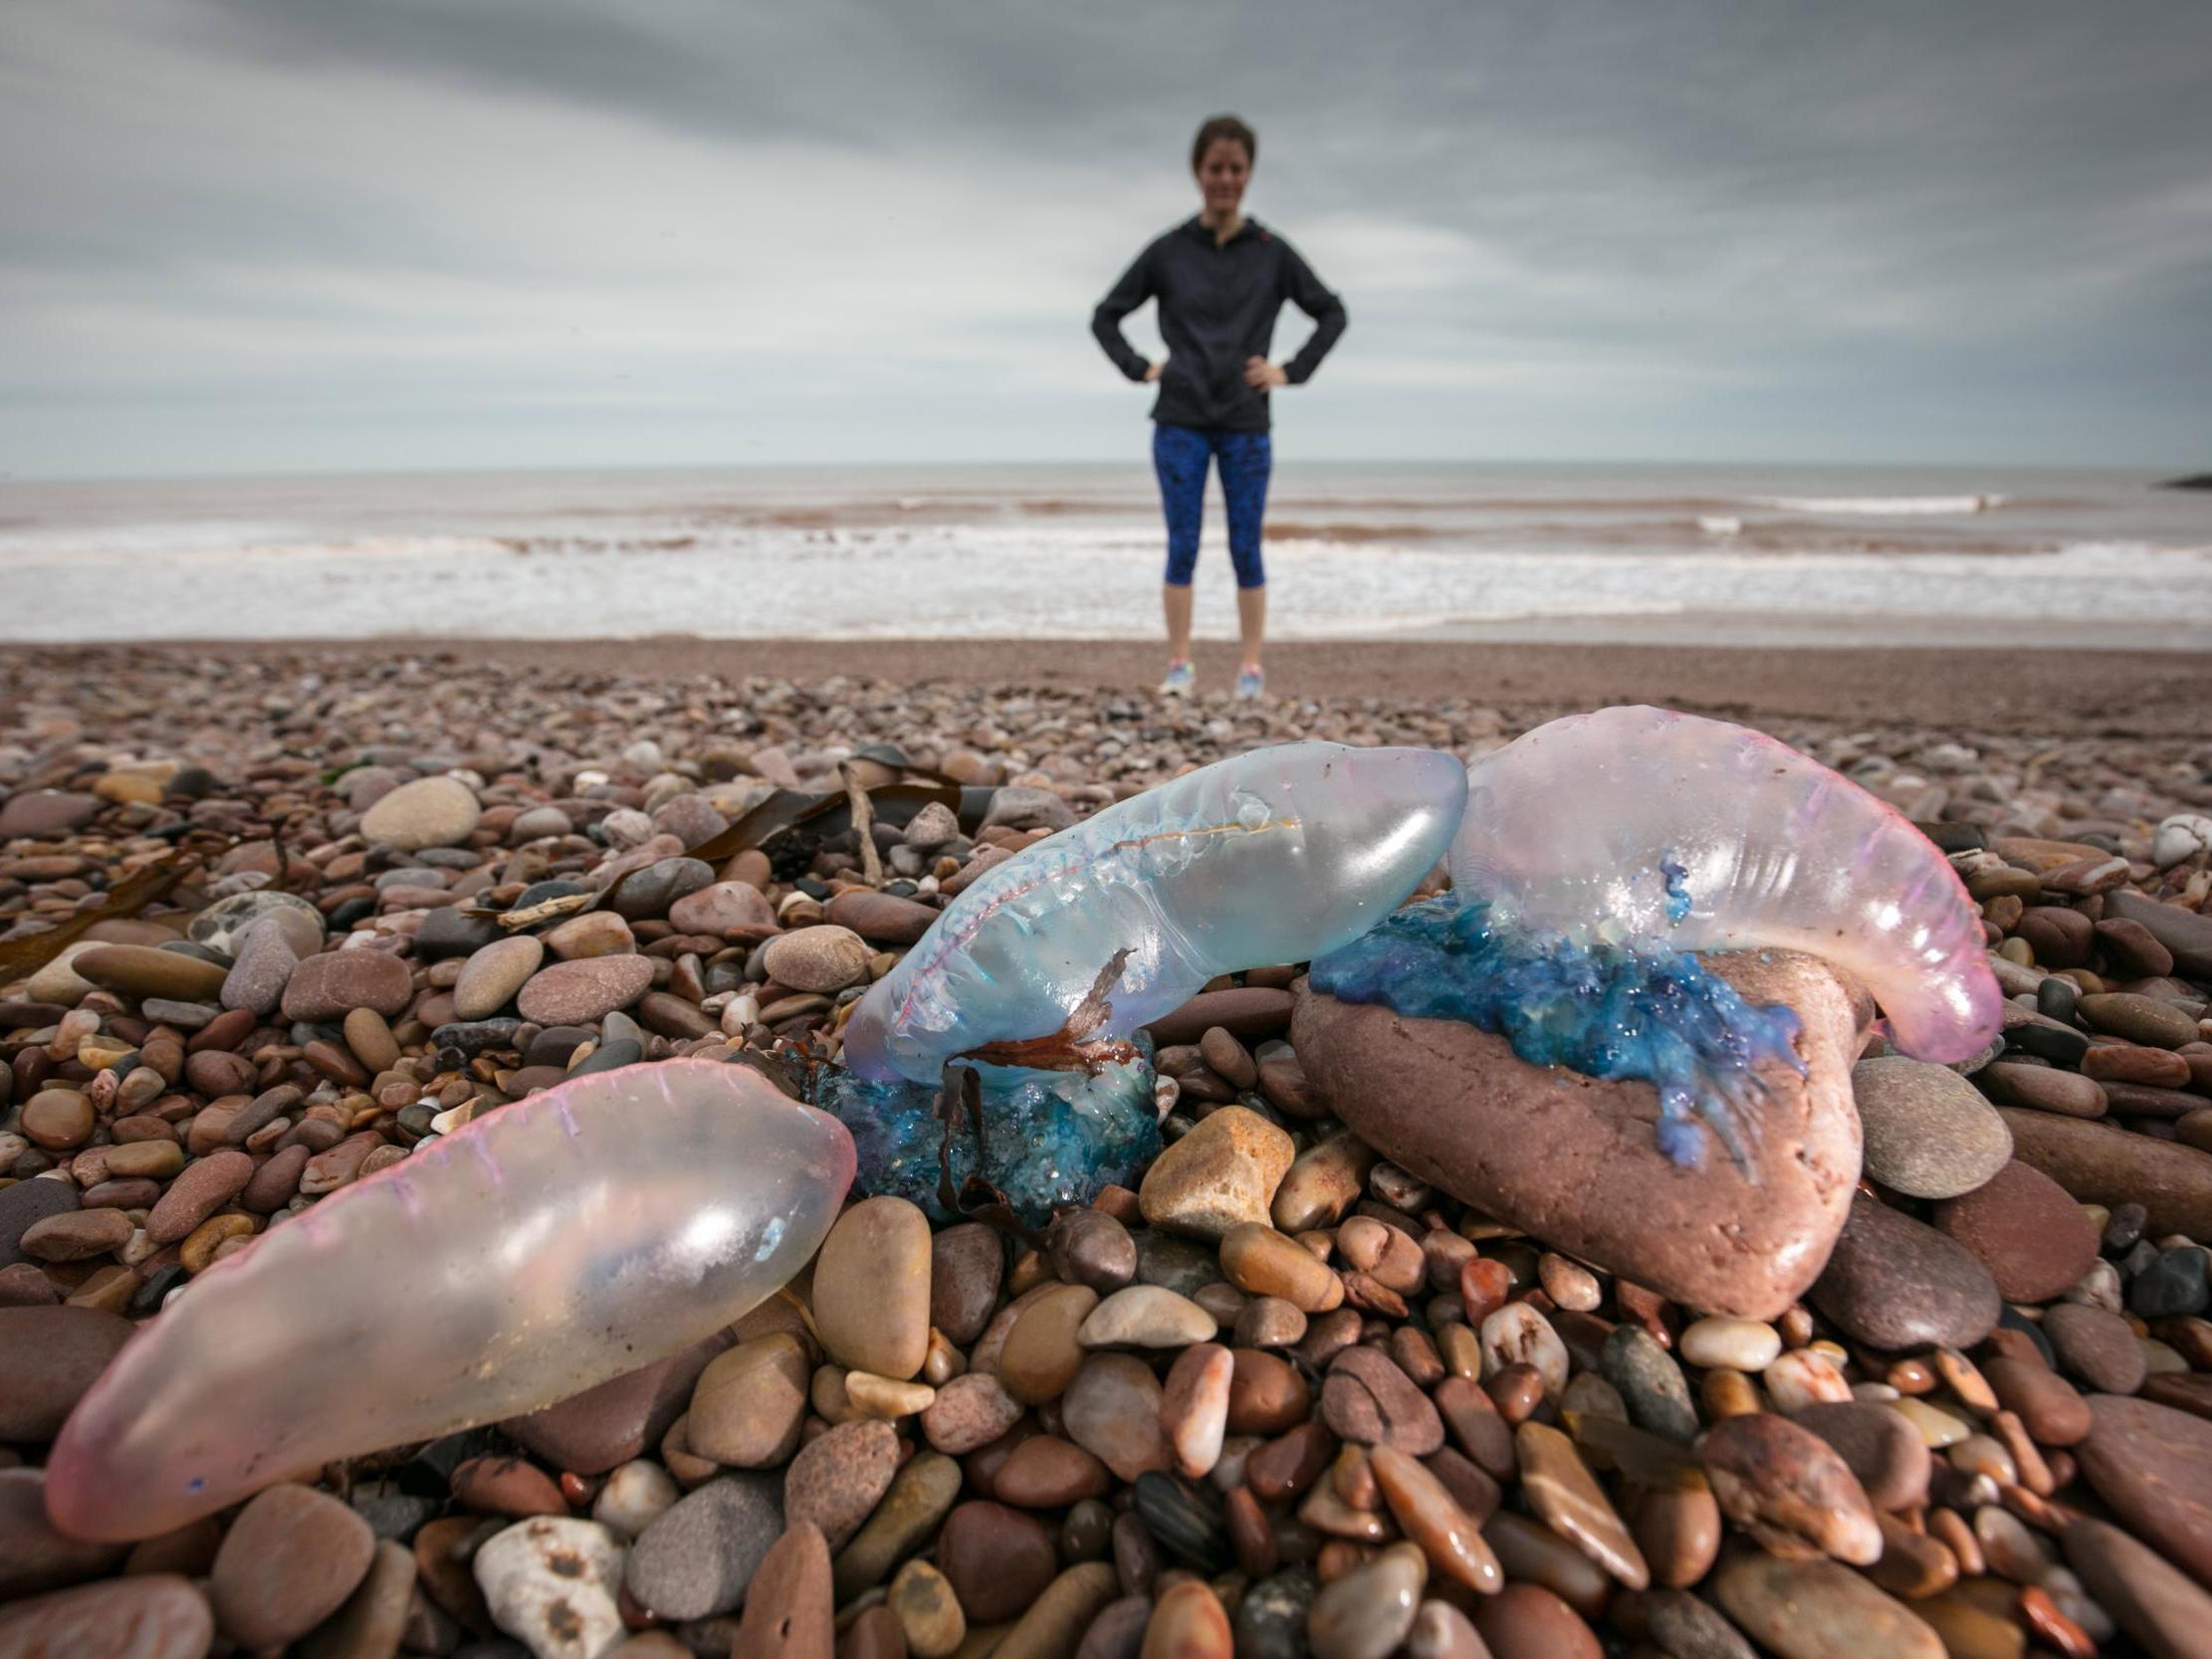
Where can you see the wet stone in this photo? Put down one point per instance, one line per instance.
(585, 990)
(151, 1616)
(1183, 1523)
(2153, 1466)
(288, 1563)
(997, 1559)
(2098, 1164)
(2054, 1413)
(697, 1557)
(1367, 1400)
(2171, 1286)
(55, 1354)
(1689, 1628)
(1930, 1134)
(1223, 1172)
(1567, 1498)
(2148, 1597)
(1650, 1383)
(2095, 1346)
(1271, 1618)
(1370, 1610)
(2034, 1239)
(1893, 1283)
(2140, 1019)
(1816, 1609)
(1530, 1621)
(25, 1204)
(1881, 1449)
(1789, 1489)
(836, 1480)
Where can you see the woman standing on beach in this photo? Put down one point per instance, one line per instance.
(1220, 278)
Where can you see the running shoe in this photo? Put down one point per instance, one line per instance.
(1181, 678)
(1252, 682)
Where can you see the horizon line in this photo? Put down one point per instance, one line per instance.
(2158, 472)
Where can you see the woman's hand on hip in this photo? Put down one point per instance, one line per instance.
(1258, 371)
(1154, 370)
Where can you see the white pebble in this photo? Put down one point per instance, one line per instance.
(550, 1584)
(1517, 1334)
(1736, 1345)
(2183, 836)
(1803, 1377)
(634, 1495)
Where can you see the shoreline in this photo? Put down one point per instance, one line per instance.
(2056, 692)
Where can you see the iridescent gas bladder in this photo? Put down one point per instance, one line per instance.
(540, 1250)
(1273, 856)
(1600, 851)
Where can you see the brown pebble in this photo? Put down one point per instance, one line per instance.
(1042, 1354)
(154, 1616)
(1528, 1621)
(1429, 1514)
(838, 1479)
(1187, 1622)
(787, 1611)
(1566, 1495)
(289, 1562)
(874, 1633)
(997, 1559)
(506, 1485)
(76, 1235)
(1266, 1394)
(1289, 1464)
(1045, 1472)
(1055, 1621)
(1678, 1533)
(206, 1184)
(1789, 1489)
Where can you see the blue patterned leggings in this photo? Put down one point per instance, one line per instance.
(1180, 455)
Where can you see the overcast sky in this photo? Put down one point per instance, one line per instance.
(276, 235)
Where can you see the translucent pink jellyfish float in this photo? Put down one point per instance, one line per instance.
(540, 1250)
(1599, 851)
(616, 1218)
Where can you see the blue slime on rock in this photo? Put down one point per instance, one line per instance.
(1606, 1010)
(1052, 1139)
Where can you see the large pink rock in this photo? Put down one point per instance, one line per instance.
(1573, 1160)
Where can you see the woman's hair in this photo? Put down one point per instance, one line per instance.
(1224, 126)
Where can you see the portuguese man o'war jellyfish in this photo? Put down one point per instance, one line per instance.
(1645, 825)
(1040, 1141)
(1063, 952)
(537, 1252)
(1600, 851)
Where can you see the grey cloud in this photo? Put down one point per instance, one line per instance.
(1878, 228)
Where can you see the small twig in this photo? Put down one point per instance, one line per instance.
(864, 823)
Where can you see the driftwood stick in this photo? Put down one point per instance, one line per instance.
(865, 822)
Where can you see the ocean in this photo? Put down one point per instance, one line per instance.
(1970, 556)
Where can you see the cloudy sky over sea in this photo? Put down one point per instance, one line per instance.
(250, 236)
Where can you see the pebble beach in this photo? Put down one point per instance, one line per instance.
(1281, 1394)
